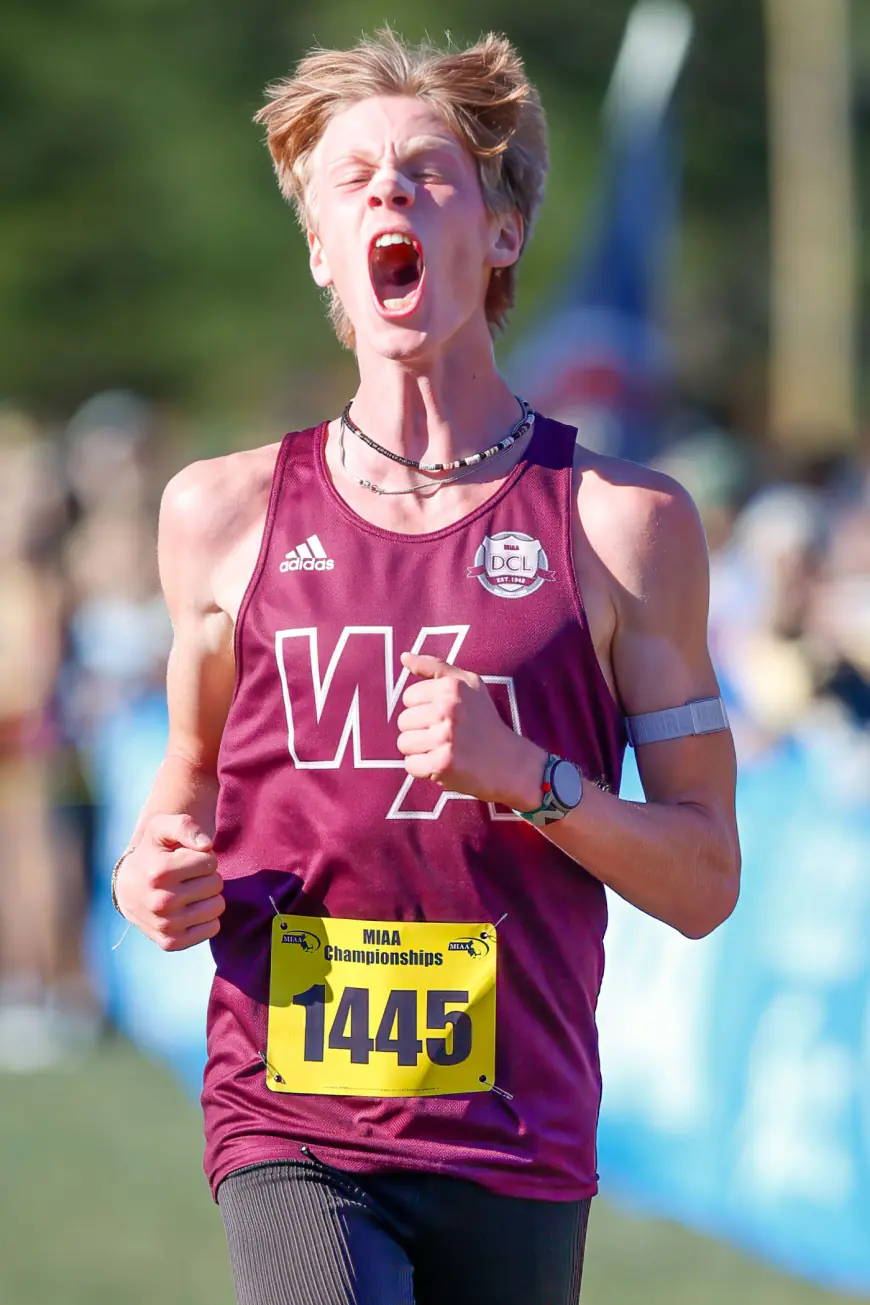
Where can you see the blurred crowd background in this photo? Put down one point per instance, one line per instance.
(155, 307)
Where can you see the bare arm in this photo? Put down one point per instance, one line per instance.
(199, 680)
(675, 857)
(169, 886)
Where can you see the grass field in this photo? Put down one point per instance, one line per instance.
(104, 1203)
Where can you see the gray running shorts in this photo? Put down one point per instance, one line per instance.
(305, 1233)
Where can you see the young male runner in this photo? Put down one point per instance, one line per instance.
(397, 700)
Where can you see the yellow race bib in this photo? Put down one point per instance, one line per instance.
(375, 1009)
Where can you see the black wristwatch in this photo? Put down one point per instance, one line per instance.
(561, 791)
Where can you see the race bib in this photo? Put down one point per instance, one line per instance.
(373, 1009)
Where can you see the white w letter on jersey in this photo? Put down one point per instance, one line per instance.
(354, 699)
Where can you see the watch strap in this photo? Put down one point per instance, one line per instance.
(543, 815)
(550, 810)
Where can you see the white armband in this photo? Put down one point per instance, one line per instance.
(706, 716)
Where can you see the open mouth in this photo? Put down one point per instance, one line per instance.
(396, 269)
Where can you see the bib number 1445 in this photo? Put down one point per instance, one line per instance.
(397, 1031)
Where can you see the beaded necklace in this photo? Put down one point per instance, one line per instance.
(465, 466)
(471, 461)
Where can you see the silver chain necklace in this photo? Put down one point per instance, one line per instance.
(526, 422)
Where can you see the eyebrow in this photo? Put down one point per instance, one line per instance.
(416, 145)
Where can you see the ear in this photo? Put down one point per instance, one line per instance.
(507, 238)
(317, 261)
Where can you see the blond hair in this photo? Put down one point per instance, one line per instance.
(483, 94)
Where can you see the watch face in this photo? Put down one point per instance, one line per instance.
(566, 784)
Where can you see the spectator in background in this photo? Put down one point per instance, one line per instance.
(839, 614)
(83, 633)
(790, 595)
(119, 633)
(119, 629)
(769, 566)
(108, 442)
(31, 908)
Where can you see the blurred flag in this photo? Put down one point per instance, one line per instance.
(600, 361)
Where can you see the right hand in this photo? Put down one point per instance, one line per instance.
(169, 886)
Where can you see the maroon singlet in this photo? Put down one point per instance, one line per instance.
(317, 812)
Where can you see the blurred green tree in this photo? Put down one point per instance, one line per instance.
(143, 242)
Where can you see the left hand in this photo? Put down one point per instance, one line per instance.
(451, 732)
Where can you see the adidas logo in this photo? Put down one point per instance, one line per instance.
(310, 556)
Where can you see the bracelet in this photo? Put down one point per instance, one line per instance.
(114, 882)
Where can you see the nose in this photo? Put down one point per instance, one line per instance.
(390, 189)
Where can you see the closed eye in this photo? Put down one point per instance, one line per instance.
(354, 173)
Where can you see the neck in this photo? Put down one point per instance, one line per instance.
(433, 410)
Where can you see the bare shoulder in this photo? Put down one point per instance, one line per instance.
(211, 519)
(643, 526)
(211, 502)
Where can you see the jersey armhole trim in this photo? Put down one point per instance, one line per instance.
(265, 541)
(574, 586)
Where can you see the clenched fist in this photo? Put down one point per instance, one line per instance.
(451, 732)
(169, 886)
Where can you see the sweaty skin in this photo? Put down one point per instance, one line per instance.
(429, 389)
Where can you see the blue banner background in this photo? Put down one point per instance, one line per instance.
(737, 1070)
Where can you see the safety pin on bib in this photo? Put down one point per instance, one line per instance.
(493, 1087)
(281, 919)
(261, 1055)
(486, 935)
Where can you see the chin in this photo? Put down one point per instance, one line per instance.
(403, 345)
(401, 341)
(416, 338)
